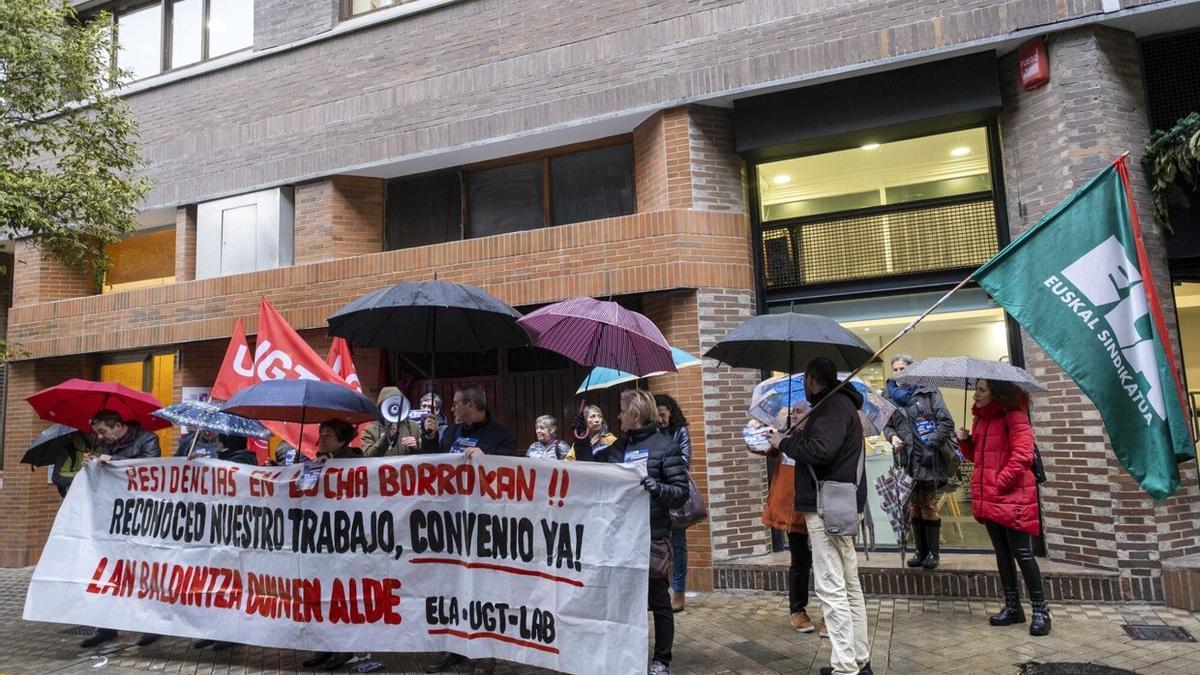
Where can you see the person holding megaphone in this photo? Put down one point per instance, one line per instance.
(397, 434)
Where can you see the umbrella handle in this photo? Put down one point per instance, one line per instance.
(192, 449)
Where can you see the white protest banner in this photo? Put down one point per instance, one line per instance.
(538, 562)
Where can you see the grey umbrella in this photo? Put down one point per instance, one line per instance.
(961, 372)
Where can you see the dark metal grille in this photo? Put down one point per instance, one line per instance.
(1158, 633)
(928, 238)
(1172, 67)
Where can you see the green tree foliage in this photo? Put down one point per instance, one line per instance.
(69, 155)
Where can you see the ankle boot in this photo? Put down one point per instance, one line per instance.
(1039, 624)
(918, 528)
(1011, 612)
(933, 539)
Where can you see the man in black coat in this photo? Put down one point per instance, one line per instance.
(831, 445)
(473, 432)
(667, 482)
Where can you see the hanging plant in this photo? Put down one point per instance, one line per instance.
(1172, 163)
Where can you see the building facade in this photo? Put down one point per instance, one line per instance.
(701, 162)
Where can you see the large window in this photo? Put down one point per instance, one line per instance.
(556, 188)
(918, 205)
(1187, 306)
(142, 260)
(356, 7)
(968, 324)
(167, 34)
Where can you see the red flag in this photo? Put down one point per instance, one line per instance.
(341, 362)
(237, 370)
(281, 354)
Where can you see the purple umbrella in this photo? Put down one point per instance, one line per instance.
(595, 333)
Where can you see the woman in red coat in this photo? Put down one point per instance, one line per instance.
(1004, 495)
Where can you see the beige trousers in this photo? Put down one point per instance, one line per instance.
(835, 577)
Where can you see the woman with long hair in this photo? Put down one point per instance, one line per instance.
(672, 422)
(596, 436)
(1004, 495)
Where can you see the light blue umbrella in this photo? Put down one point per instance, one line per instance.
(209, 417)
(603, 378)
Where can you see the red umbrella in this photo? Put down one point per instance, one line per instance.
(75, 401)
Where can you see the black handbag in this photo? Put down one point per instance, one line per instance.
(1039, 469)
(660, 558)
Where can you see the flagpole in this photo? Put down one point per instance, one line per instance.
(904, 331)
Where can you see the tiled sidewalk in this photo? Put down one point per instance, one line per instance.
(719, 633)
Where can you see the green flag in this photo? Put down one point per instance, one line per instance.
(1078, 282)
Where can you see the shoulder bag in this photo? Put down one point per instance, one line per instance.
(837, 502)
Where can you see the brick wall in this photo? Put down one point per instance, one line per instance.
(469, 73)
(185, 243)
(338, 217)
(662, 166)
(695, 248)
(718, 174)
(30, 503)
(676, 315)
(39, 278)
(279, 22)
(1055, 139)
(736, 478)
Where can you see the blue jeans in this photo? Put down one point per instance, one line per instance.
(679, 560)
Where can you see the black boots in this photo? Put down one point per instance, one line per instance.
(933, 539)
(919, 534)
(1039, 624)
(1011, 612)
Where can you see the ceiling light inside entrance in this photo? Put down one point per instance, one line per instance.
(871, 146)
(960, 151)
(781, 179)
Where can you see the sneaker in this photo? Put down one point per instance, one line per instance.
(222, 646)
(866, 669)
(658, 668)
(98, 638)
(802, 623)
(824, 632)
(148, 639)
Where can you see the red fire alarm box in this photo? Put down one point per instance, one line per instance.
(1034, 63)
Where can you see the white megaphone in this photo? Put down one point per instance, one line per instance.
(394, 408)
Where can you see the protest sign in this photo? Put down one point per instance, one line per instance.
(487, 557)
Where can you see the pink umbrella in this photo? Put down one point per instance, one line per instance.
(595, 333)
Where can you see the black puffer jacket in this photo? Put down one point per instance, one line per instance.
(831, 442)
(664, 463)
(929, 458)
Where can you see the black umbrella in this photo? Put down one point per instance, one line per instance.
(301, 401)
(427, 317)
(781, 342)
(51, 446)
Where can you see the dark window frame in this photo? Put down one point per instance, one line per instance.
(166, 33)
(769, 294)
(544, 156)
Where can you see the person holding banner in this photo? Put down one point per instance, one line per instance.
(333, 440)
(1004, 495)
(120, 439)
(473, 431)
(667, 482)
(829, 449)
